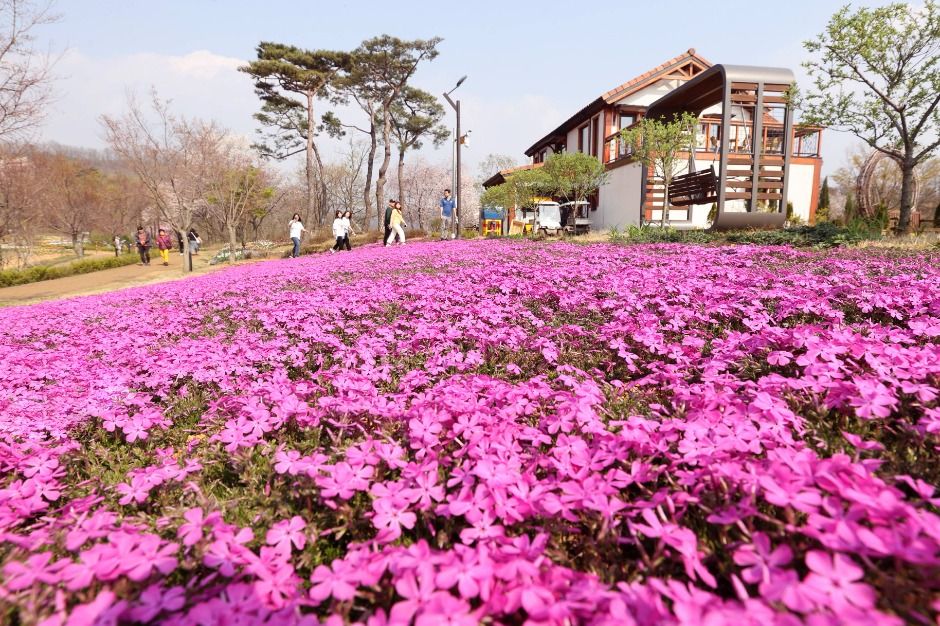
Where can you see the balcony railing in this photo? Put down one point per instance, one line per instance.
(617, 149)
(740, 141)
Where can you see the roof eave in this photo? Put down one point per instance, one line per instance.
(561, 131)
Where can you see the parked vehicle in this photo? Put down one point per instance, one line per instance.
(547, 218)
(576, 216)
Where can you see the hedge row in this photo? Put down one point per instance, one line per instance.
(11, 277)
(825, 235)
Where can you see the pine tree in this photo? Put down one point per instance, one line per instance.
(289, 80)
(849, 213)
(822, 210)
(379, 70)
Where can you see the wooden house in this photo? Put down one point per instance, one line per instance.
(731, 131)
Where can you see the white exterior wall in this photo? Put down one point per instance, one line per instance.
(651, 94)
(698, 215)
(572, 140)
(620, 198)
(800, 190)
(619, 201)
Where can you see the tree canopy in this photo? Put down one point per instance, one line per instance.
(574, 175)
(876, 74)
(289, 80)
(378, 72)
(520, 189)
(416, 117)
(658, 143)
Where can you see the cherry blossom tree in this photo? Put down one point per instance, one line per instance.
(174, 157)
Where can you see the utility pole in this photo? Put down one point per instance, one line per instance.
(458, 209)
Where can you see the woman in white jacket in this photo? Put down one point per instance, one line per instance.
(296, 227)
(347, 223)
(339, 231)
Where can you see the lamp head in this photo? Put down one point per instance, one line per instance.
(460, 82)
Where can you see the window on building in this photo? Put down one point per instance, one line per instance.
(701, 137)
(584, 139)
(594, 142)
(627, 120)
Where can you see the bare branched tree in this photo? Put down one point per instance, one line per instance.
(25, 74)
(74, 196)
(346, 179)
(173, 156)
(126, 201)
(21, 187)
(241, 186)
(423, 183)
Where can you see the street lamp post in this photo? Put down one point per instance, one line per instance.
(456, 106)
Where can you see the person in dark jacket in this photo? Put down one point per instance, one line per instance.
(194, 241)
(142, 239)
(179, 240)
(388, 220)
(347, 225)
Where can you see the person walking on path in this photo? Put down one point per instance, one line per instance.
(396, 222)
(164, 243)
(194, 241)
(347, 226)
(142, 239)
(339, 231)
(179, 240)
(447, 205)
(388, 220)
(297, 229)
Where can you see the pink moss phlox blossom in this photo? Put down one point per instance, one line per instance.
(287, 534)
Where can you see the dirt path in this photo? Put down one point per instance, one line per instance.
(136, 275)
(108, 280)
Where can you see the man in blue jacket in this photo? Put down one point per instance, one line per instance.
(447, 215)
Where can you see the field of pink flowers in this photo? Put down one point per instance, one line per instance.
(491, 431)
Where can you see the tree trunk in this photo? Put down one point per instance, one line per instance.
(370, 168)
(421, 213)
(907, 193)
(665, 220)
(383, 169)
(78, 244)
(231, 243)
(401, 171)
(187, 259)
(310, 154)
(321, 201)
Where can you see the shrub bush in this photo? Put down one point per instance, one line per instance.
(240, 255)
(825, 235)
(11, 277)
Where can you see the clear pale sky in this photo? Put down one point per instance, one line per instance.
(530, 64)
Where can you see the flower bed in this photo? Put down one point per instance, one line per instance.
(464, 431)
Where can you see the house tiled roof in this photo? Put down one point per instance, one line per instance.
(689, 54)
(618, 93)
(500, 176)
